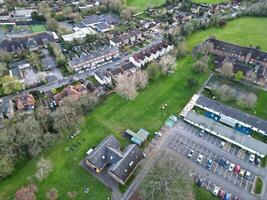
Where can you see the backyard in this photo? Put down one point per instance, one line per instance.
(211, 1)
(38, 28)
(141, 5)
(117, 114)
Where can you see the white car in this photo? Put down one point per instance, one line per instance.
(252, 158)
(216, 190)
(231, 167)
(199, 158)
(190, 154)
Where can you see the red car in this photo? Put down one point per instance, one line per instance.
(221, 194)
(237, 169)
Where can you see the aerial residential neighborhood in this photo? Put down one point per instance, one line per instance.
(133, 100)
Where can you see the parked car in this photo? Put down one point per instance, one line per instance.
(158, 134)
(231, 167)
(237, 169)
(242, 172)
(216, 190)
(247, 175)
(227, 196)
(236, 198)
(190, 154)
(201, 133)
(221, 194)
(199, 158)
(226, 164)
(257, 160)
(252, 158)
(221, 161)
(200, 181)
(222, 144)
(209, 164)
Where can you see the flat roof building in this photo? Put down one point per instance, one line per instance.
(232, 114)
(227, 133)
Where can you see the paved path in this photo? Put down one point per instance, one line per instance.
(147, 164)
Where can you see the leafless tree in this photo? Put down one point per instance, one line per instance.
(72, 194)
(52, 194)
(41, 76)
(227, 69)
(166, 180)
(201, 65)
(126, 87)
(44, 167)
(141, 79)
(26, 193)
(167, 63)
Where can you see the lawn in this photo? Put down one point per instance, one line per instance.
(211, 1)
(116, 114)
(38, 28)
(141, 5)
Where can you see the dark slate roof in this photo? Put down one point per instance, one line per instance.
(95, 19)
(123, 168)
(98, 156)
(18, 43)
(242, 67)
(17, 63)
(239, 50)
(233, 113)
(103, 26)
(116, 71)
(127, 66)
(48, 62)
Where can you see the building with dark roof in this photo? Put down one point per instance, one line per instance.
(236, 116)
(119, 164)
(94, 59)
(28, 42)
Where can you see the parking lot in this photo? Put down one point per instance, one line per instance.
(186, 137)
(216, 141)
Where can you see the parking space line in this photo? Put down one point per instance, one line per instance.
(210, 155)
(230, 176)
(220, 171)
(215, 168)
(246, 186)
(235, 179)
(207, 151)
(241, 182)
(225, 173)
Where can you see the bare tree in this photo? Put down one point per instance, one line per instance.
(72, 194)
(44, 167)
(52, 24)
(227, 69)
(201, 65)
(207, 48)
(167, 63)
(141, 79)
(26, 193)
(126, 87)
(41, 76)
(166, 180)
(126, 14)
(52, 194)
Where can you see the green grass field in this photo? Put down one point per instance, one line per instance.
(141, 5)
(38, 28)
(211, 1)
(117, 114)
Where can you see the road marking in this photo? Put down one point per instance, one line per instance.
(230, 176)
(220, 170)
(246, 185)
(225, 173)
(210, 155)
(235, 179)
(207, 151)
(241, 182)
(215, 168)
(208, 185)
